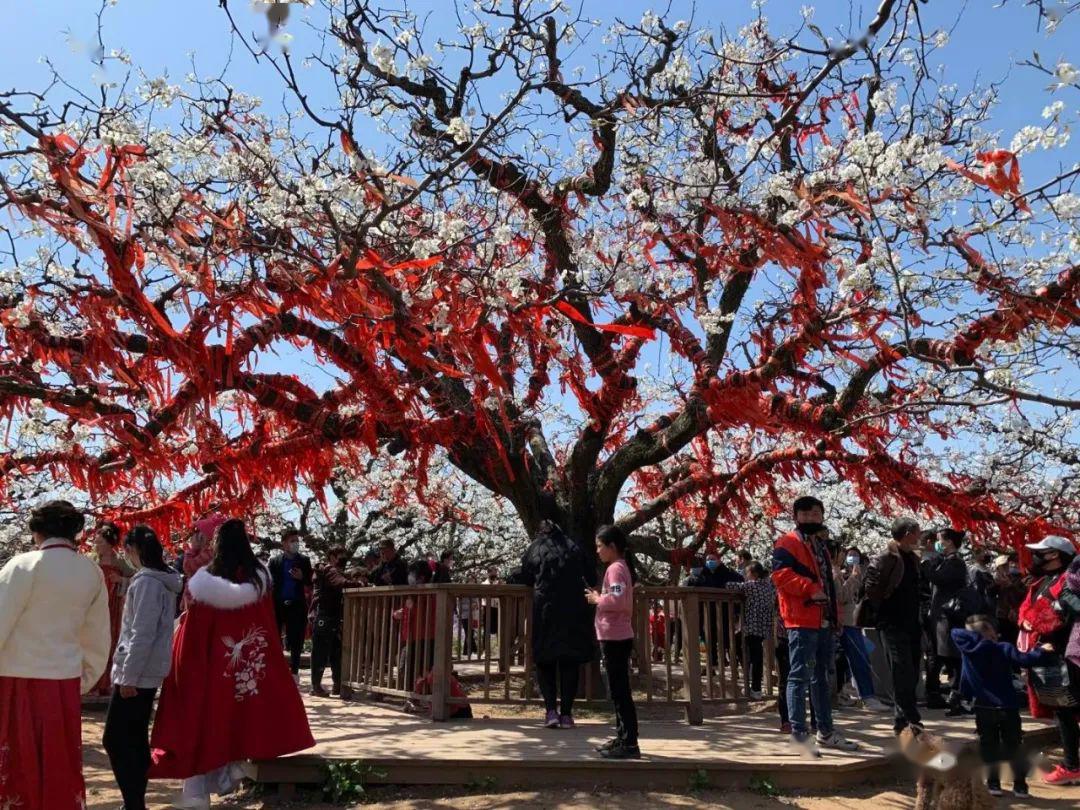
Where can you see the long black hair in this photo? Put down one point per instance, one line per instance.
(613, 536)
(145, 541)
(233, 558)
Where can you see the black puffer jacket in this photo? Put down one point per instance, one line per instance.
(948, 575)
(562, 620)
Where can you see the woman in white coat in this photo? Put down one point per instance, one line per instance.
(54, 643)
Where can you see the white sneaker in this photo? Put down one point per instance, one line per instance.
(755, 695)
(875, 705)
(837, 742)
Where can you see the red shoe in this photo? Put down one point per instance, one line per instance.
(785, 728)
(1062, 776)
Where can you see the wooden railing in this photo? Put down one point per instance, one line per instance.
(423, 643)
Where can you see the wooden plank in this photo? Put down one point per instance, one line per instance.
(692, 658)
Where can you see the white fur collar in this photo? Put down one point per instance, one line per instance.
(221, 593)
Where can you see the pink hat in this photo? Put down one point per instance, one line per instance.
(208, 525)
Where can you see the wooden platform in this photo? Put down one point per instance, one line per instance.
(728, 751)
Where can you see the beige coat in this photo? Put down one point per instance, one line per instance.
(54, 616)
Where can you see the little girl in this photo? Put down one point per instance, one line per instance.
(615, 631)
(141, 662)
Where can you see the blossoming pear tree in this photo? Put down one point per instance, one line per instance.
(648, 267)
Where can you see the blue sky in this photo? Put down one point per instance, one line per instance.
(166, 36)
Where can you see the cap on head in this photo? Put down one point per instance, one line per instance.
(1053, 542)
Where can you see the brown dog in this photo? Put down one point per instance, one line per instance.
(950, 775)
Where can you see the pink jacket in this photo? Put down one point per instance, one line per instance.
(615, 610)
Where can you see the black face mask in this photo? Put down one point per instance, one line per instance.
(808, 529)
(1040, 564)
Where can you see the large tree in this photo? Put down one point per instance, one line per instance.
(642, 266)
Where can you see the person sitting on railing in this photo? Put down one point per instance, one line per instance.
(563, 639)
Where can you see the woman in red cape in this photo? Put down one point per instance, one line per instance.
(230, 695)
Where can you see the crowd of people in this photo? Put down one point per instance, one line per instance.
(226, 693)
(217, 628)
(978, 624)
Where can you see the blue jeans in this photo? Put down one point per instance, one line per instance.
(810, 652)
(858, 660)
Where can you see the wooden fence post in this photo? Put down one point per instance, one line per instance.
(348, 654)
(695, 714)
(440, 674)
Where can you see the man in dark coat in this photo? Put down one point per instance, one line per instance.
(291, 574)
(329, 601)
(948, 577)
(714, 575)
(891, 598)
(392, 569)
(563, 635)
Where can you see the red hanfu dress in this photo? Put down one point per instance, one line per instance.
(230, 695)
(116, 580)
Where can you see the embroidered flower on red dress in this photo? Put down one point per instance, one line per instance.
(246, 661)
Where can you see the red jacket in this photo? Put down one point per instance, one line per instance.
(1038, 623)
(796, 576)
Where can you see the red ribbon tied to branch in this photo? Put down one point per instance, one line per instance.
(644, 332)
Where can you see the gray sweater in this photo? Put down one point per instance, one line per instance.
(144, 649)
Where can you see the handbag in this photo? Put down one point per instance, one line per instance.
(1052, 684)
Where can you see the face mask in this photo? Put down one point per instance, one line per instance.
(1014, 572)
(712, 565)
(852, 560)
(939, 546)
(809, 528)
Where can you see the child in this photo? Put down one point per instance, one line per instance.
(759, 618)
(986, 679)
(141, 662)
(658, 631)
(615, 630)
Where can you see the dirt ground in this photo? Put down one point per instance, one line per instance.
(102, 795)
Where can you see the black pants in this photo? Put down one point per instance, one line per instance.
(755, 648)
(292, 618)
(903, 651)
(1000, 740)
(127, 742)
(326, 650)
(1069, 729)
(558, 682)
(617, 663)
